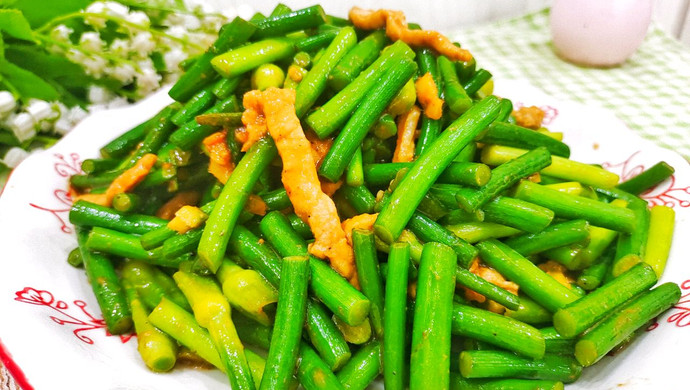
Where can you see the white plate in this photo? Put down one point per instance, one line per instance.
(52, 334)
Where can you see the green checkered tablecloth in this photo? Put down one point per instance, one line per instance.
(650, 92)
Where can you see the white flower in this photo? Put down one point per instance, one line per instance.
(213, 23)
(7, 102)
(75, 56)
(245, 11)
(177, 31)
(118, 102)
(63, 126)
(201, 39)
(113, 8)
(123, 73)
(147, 81)
(91, 41)
(22, 126)
(99, 95)
(173, 19)
(45, 126)
(120, 47)
(143, 43)
(139, 18)
(61, 33)
(172, 59)
(94, 66)
(76, 114)
(97, 107)
(97, 7)
(191, 22)
(39, 110)
(200, 6)
(14, 156)
(146, 64)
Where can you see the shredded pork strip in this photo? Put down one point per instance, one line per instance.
(427, 95)
(407, 126)
(169, 208)
(530, 117)
(494, 277)
(361, 221)
(220, 159)
(275, 109)
(123, 183)
(396, 29)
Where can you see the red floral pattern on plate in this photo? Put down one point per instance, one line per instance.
(680, 312)
(81, 319)
(65, 168)
(666, 193)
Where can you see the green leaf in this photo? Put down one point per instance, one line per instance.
(15, 24)
(49, 66)
(27, 84)
(40, 12)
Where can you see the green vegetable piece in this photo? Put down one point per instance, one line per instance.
(363, 367)
(516, 213)
(314, 83)
(352, 135)
(336, 112)
(266, 76)
(157, 350)
(585, 312)
(478, 79)
(615, 328)
(395, 317)
(537, 284)
(313, 373)
(576, 207)
(455, 96)
(503, 177)
(554, 236)
(647, 179)
(561, 168)
(500, 364)
(431, 327)
(106, 287)
(89, 214)
(152, 284)
(222, 219)
(212, 311)
(201, 73)
(429, 128)
(661, 224)
(468, 174)
(352, 64)
(477, 284)
(409, 193)
(333, 290)
(429, 231)
(247, 291)
(503, 332)
(516, 136)
(369, 275)
(287, 329)
(245, 58)
(278, 25)
(197, 104)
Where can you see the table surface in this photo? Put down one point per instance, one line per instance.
(650, 92)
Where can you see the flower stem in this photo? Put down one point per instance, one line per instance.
(121, 22)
